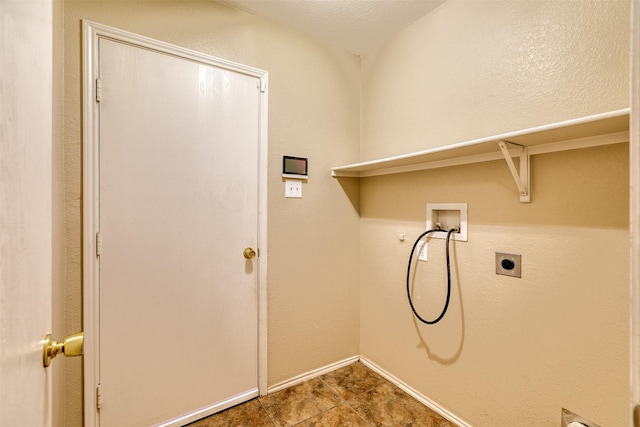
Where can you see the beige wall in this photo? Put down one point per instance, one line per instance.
(314, 106)
(479, 68)
(509, 351)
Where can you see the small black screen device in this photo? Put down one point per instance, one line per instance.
(294, 167)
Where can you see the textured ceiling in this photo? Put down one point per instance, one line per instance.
(357, 26)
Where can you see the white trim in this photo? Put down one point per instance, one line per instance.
(209, 410)
(104, 31)
(91, 33)
(313, 374)
(90, 215)
(434, 406)
(263, 162)
(369, 364)
(634, 214)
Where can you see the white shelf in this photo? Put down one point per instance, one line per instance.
(590, 131)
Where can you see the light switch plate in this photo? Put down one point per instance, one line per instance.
(293, 188)
(422, 251)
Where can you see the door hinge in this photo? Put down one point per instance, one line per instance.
(98, 244)
(98, 90)
(98, 397)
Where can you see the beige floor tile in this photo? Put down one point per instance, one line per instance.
(387, 405)
(342, 415)
(352, 380)
(298, 403)
(352, 396)
(249, 414)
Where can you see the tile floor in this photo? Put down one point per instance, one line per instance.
(350, 396)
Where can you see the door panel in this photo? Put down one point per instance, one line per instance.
(178, 205)
(25, 211)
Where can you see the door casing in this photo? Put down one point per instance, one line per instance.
(92, 32)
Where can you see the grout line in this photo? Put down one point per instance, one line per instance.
(347, 403)
(342, 401)
(266, 412)
(371, 423)
(332, 389)
(446, 414)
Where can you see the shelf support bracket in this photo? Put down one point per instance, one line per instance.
(521, 177)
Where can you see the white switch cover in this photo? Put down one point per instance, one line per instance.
(422, 254)
(293, 188)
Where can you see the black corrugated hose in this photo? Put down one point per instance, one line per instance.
(446, 304)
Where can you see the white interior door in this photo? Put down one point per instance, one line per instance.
(25, 211)
(178, 204)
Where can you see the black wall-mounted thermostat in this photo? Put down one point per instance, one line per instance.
(294, 167)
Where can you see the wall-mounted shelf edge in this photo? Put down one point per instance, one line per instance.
(591, 131)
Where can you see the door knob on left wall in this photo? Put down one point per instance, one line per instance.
(71, 346)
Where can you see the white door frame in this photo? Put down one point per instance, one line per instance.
(92, 32)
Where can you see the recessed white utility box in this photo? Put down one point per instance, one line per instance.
(447, 216)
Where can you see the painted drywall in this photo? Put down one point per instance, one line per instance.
(509, 351)
(479, 68)
(313, 299)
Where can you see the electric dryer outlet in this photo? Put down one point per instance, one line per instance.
(509, 264)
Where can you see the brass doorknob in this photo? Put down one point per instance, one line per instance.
(249, 253)
(71, 346)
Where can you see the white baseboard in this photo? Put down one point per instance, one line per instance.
(369, 364)
(312, 374)
(208, 410)
(203, 412)
(415, 394)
